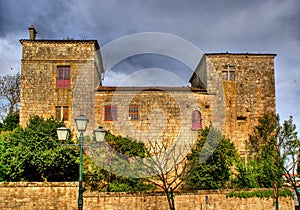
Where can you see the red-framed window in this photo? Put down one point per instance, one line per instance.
(196, 120)
(63, 76)
(133, 112)
(62, 113)
(110, 113)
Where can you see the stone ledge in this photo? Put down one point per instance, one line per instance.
(38, 184)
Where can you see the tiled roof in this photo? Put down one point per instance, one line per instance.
(154, 88)
(61, 41)
(253, 54)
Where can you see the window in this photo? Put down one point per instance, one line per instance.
(110, 113)
(133, 112)
(62, 113)
(196, 120)
(63, 76)
(228, 73)
(241, 118)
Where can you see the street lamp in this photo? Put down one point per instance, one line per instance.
(81, 124)
(62, 133)
(99, 134)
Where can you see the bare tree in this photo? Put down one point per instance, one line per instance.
(10, 94)
(170, 166)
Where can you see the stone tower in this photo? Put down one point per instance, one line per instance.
(58, 77)
(248, 89)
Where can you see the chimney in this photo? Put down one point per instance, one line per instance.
(32, 32)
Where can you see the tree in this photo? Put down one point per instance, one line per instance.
(169, 165)
(166, 167)
(33, 154)
(264, 152)
(10, 122)
(10, 92)
(215, 172)
(100, 178)
(274, 153)
(288, 147)
(247, 176)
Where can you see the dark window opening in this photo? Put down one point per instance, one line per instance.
(241, 118)
(196, 120)
(110, 113)
(62, 113)
(58, 113)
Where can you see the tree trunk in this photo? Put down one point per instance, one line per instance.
(297, 194)
(170, 197)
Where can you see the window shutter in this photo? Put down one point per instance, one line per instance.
(196, 120)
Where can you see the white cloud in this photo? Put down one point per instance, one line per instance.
(143, 77)
(10, 51)
(152, 77)
(112, 78)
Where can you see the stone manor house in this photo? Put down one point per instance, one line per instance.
(63, 79)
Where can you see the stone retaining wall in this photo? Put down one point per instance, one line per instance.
(63, 195)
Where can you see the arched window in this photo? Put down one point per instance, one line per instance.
(196, 120)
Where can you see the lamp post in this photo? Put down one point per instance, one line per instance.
(81, 124)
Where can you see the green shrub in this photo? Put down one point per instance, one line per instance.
(259, 194)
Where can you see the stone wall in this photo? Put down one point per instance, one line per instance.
(164, 113)
(63, 195)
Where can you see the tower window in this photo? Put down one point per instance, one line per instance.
(63, 76)
(241, 118)
(196, 120)
(228, 73)
(110, 113)
(62, 113)
(133, 112)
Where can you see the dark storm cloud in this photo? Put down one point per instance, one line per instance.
(19, 15)
(147, 61)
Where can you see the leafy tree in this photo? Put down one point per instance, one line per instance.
(33, 154)
(247, 176)
(10, 92)
(215, 172)
(10, 122)
(264, 158)
(98, 178)
(126, 146)
(288, 146)
(274, 153)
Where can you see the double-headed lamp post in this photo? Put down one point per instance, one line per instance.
(63, 133)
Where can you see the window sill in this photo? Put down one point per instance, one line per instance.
(63, 88)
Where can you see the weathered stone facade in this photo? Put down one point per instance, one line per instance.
(248, 96)
(40, 94)
(230, 91)
(164, 113)
(63, 195)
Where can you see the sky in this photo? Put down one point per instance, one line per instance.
(214, 26)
